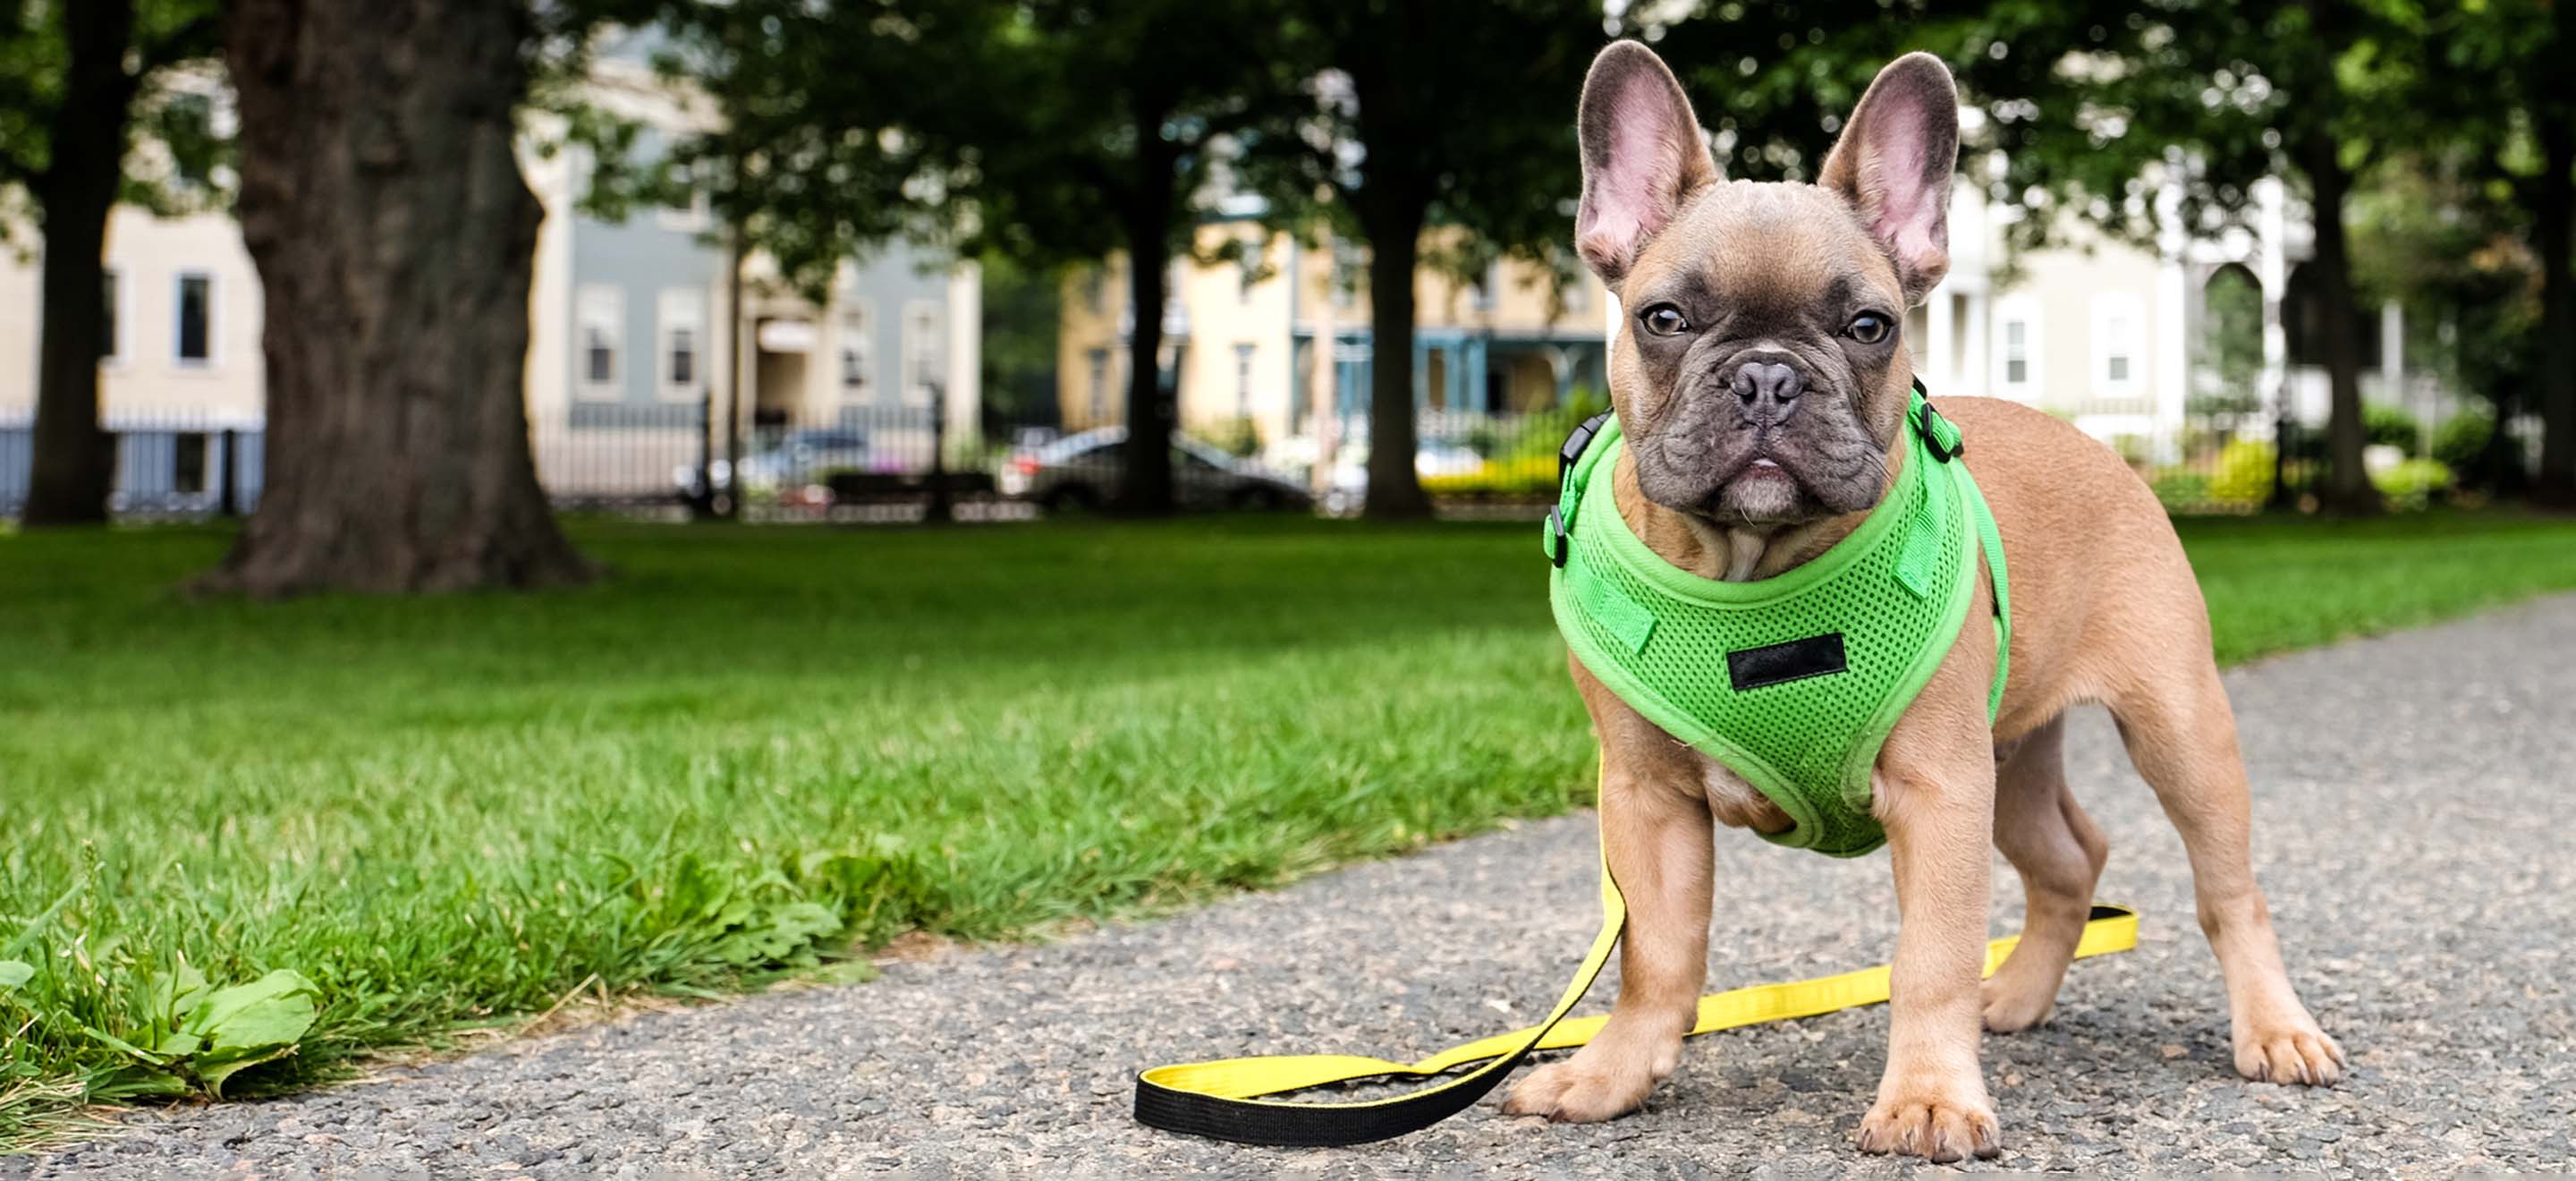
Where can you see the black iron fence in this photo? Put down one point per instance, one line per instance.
(901, 463)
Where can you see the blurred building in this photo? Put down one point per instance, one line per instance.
(1277, 338)
(628, 337)
(2113, 336)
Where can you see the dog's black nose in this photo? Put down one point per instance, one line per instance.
(1768, 386)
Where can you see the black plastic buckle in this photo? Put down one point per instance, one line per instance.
(1932, 441)
(1559, 545)
(1568, 455)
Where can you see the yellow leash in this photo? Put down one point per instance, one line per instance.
(1223, 1099)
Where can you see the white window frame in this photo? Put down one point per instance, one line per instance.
(214, 321)
(1486, 291)
(1097, 370)
(1578, 294)
(120, 308)
(921, 351)
(856, 324)
(2025, 311)
(675, 310)
(2125, 309)
(1244, 352)
(599, 306)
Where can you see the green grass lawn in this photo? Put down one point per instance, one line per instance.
(755, 749)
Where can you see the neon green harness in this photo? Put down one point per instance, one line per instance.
(1792, 682)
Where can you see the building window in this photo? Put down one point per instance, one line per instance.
(2115, 342)
(195, 339)
(684, 358)
(1480, 294)
(920, 351)
(188, 463)
(1099, 359)
(682, 316)
(1578, 293)
(1350, 272)
(858, 351)
(601, 314)
(111, 346)
(1243, 380)
(2016, 350)
(1095, 288)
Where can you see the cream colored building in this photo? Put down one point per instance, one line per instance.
(1281, 339)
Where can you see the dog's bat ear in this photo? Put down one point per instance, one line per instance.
(1893, 164)
(1643, 157)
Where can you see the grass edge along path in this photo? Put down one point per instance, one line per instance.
(252, 845)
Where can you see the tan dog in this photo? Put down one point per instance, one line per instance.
(1762, 381)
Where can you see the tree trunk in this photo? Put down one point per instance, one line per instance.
(2555, 210)
(2347, 490)
(75, 462)
(395, 239)
(1395, 243)
(1145, 464)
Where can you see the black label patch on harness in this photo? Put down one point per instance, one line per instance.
(1772, 664)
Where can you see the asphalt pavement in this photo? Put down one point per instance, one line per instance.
(2414, 797)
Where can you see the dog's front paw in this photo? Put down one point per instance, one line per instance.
(2290, 1051)
(1577, 1093)
(1937, 1128)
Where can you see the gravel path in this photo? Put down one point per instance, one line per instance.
(2412, 812)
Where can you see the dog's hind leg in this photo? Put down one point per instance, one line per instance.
(2059, 854)
(2181, 736)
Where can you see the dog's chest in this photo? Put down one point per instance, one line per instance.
(1736, 803)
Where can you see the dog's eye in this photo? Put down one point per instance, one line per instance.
(1868, 328)
(1664, 319)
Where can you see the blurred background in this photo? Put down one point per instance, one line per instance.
(794, 258)
(925, 427)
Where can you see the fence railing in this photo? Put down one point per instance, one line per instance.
(895, 463)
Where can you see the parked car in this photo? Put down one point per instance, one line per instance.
(797, 459)
(1082, 472)
(1348, 488)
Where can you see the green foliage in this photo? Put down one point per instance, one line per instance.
(1503, 177)
(2182, 491)
(2461, 443)
(1522, 477)
(2391, 426)
(2243, 481)
(192, 1036)
(2414, 484)
(1021, 317)
(35, 60)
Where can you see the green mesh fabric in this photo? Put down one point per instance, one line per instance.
(1895, 591)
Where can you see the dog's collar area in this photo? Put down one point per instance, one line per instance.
(1941, 439)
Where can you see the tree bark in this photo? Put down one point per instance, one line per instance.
(1394, 228)
(395, 239)
(74, 464)
(2348, 490)
(2554, 211)
(1145, 464)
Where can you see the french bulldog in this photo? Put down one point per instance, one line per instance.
(1761, 379)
